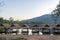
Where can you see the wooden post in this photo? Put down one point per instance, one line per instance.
(51, 31)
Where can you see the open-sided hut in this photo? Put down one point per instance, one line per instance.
(4, 28)
(46, 29)
(14, 28)
(35, 29)
(25, 28)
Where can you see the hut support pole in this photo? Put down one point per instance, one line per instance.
(51, 31)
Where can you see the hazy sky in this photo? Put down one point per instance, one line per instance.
(26, 9)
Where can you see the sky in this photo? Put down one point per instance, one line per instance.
(26, 9)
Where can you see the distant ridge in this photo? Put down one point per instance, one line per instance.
(47, 19)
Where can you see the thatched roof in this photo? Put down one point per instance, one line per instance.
(57, 25)
(6, 25)
(35, 25)
(46, 26)
(25, 26)
(15, 26)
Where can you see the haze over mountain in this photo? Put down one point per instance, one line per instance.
(47, 19)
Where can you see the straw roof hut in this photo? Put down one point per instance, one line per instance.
(15, 26)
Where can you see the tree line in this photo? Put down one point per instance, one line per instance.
(10, 21)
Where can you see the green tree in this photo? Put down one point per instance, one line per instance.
(56, 13)
(1, 19)
(6, 21)
(2, 29)
(11, 20)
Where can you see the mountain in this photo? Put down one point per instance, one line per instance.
(47, 19)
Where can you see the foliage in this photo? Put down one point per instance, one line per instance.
(56, 13)
(2, 29)
(6, 21)
(1, 19)
(11, 20)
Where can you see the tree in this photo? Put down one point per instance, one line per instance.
(2, 29)
(1, 20)
(11, 20)
(6, 21)
(56, 13)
